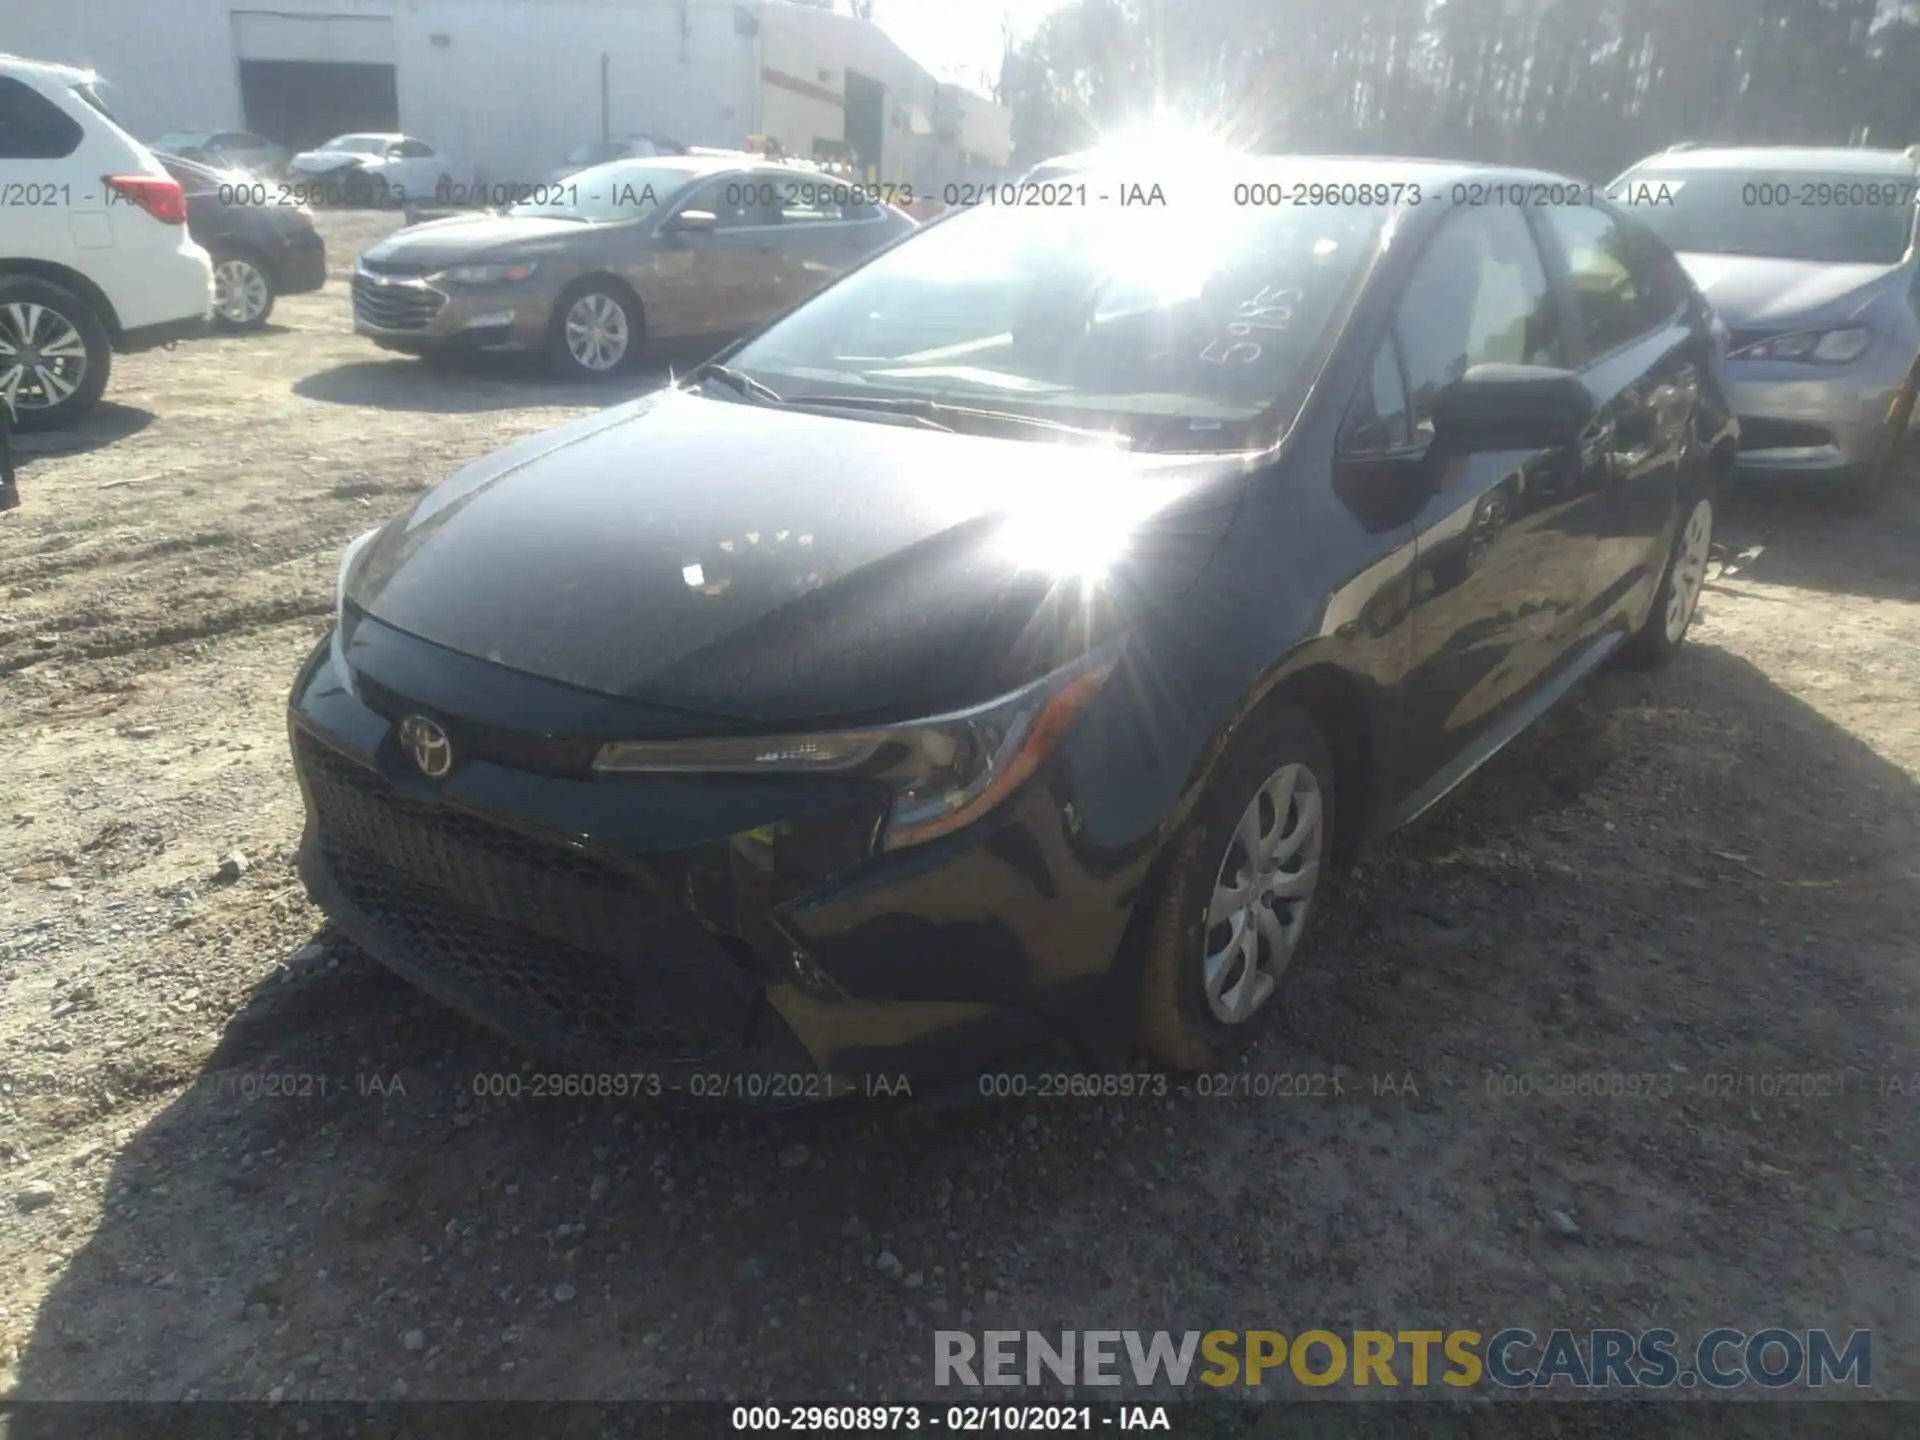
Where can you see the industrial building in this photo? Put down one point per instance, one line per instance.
(505, 88)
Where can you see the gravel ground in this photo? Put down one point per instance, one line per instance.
(1708, 874)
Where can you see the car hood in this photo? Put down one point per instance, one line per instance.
(765, 565)
(468, 237)
(318, 162)
(1753, 292)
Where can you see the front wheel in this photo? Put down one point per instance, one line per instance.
(54, 353)
(1240, 891)
(596, 330)
(1659, 638)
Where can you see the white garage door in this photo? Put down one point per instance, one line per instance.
(341, 39)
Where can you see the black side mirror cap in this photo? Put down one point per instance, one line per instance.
(1512, 407)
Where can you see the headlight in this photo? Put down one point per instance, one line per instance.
(1819, 347)
(945, 771)
(347, 557)
(487, 274)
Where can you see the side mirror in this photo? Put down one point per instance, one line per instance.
(1512, 407)
(692, 222)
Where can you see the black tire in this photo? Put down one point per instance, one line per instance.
(97, 345)
(227, 256)
(1178, 1026)
(560, 356)
(1655, 643)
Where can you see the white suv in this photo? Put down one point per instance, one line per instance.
(94, 251)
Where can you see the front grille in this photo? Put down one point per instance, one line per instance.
(395, 307)
(1765, 434)
(568, 952)
(393, 267)
(572, 759)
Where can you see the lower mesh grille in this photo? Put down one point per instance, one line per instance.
(1763, 434)
(544, 942)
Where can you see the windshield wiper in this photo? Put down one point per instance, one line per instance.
(736, 380)
(939, 413)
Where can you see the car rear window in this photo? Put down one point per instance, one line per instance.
(32, 127)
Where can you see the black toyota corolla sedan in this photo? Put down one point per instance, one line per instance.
(985, 664)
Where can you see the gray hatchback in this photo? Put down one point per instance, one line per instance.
(584, 269)
(1808, 256)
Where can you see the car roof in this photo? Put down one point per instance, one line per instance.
(388, 135)
(708, 164)
(47, 70)
(1424, 170)
(1836, 158)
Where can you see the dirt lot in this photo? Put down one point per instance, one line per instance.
(1709, 874)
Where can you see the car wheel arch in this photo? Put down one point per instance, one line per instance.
(1339, 704)
(68, 279)
(242, 248)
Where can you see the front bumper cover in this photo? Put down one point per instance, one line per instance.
(715, 952)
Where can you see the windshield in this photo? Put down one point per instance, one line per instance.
(359, 144)
(606, 192)
(1175, 323)
(1836, 218)
(586, 154)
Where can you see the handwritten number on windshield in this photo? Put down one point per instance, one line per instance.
(1269, 309)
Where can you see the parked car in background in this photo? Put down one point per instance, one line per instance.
(95, 254)
(374, 169)
(614, 256)
(224, 150)
(1061, 166)
(601, 152)
(260, 251)
(1808, 256)
(988, 662)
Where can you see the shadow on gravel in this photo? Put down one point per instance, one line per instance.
(335, 1207)
(1806, 539)
(273, 329)
(467, 384)
(107, 423)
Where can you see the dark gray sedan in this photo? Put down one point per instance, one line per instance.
(585, 269)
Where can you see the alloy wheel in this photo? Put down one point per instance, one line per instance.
(43, 356)
(1689, 569)
(1262, 893)
(596, 331)
(239, 291)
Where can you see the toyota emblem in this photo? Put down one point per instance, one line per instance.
(427, 745)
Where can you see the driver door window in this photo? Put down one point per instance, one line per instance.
(1479, 296)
